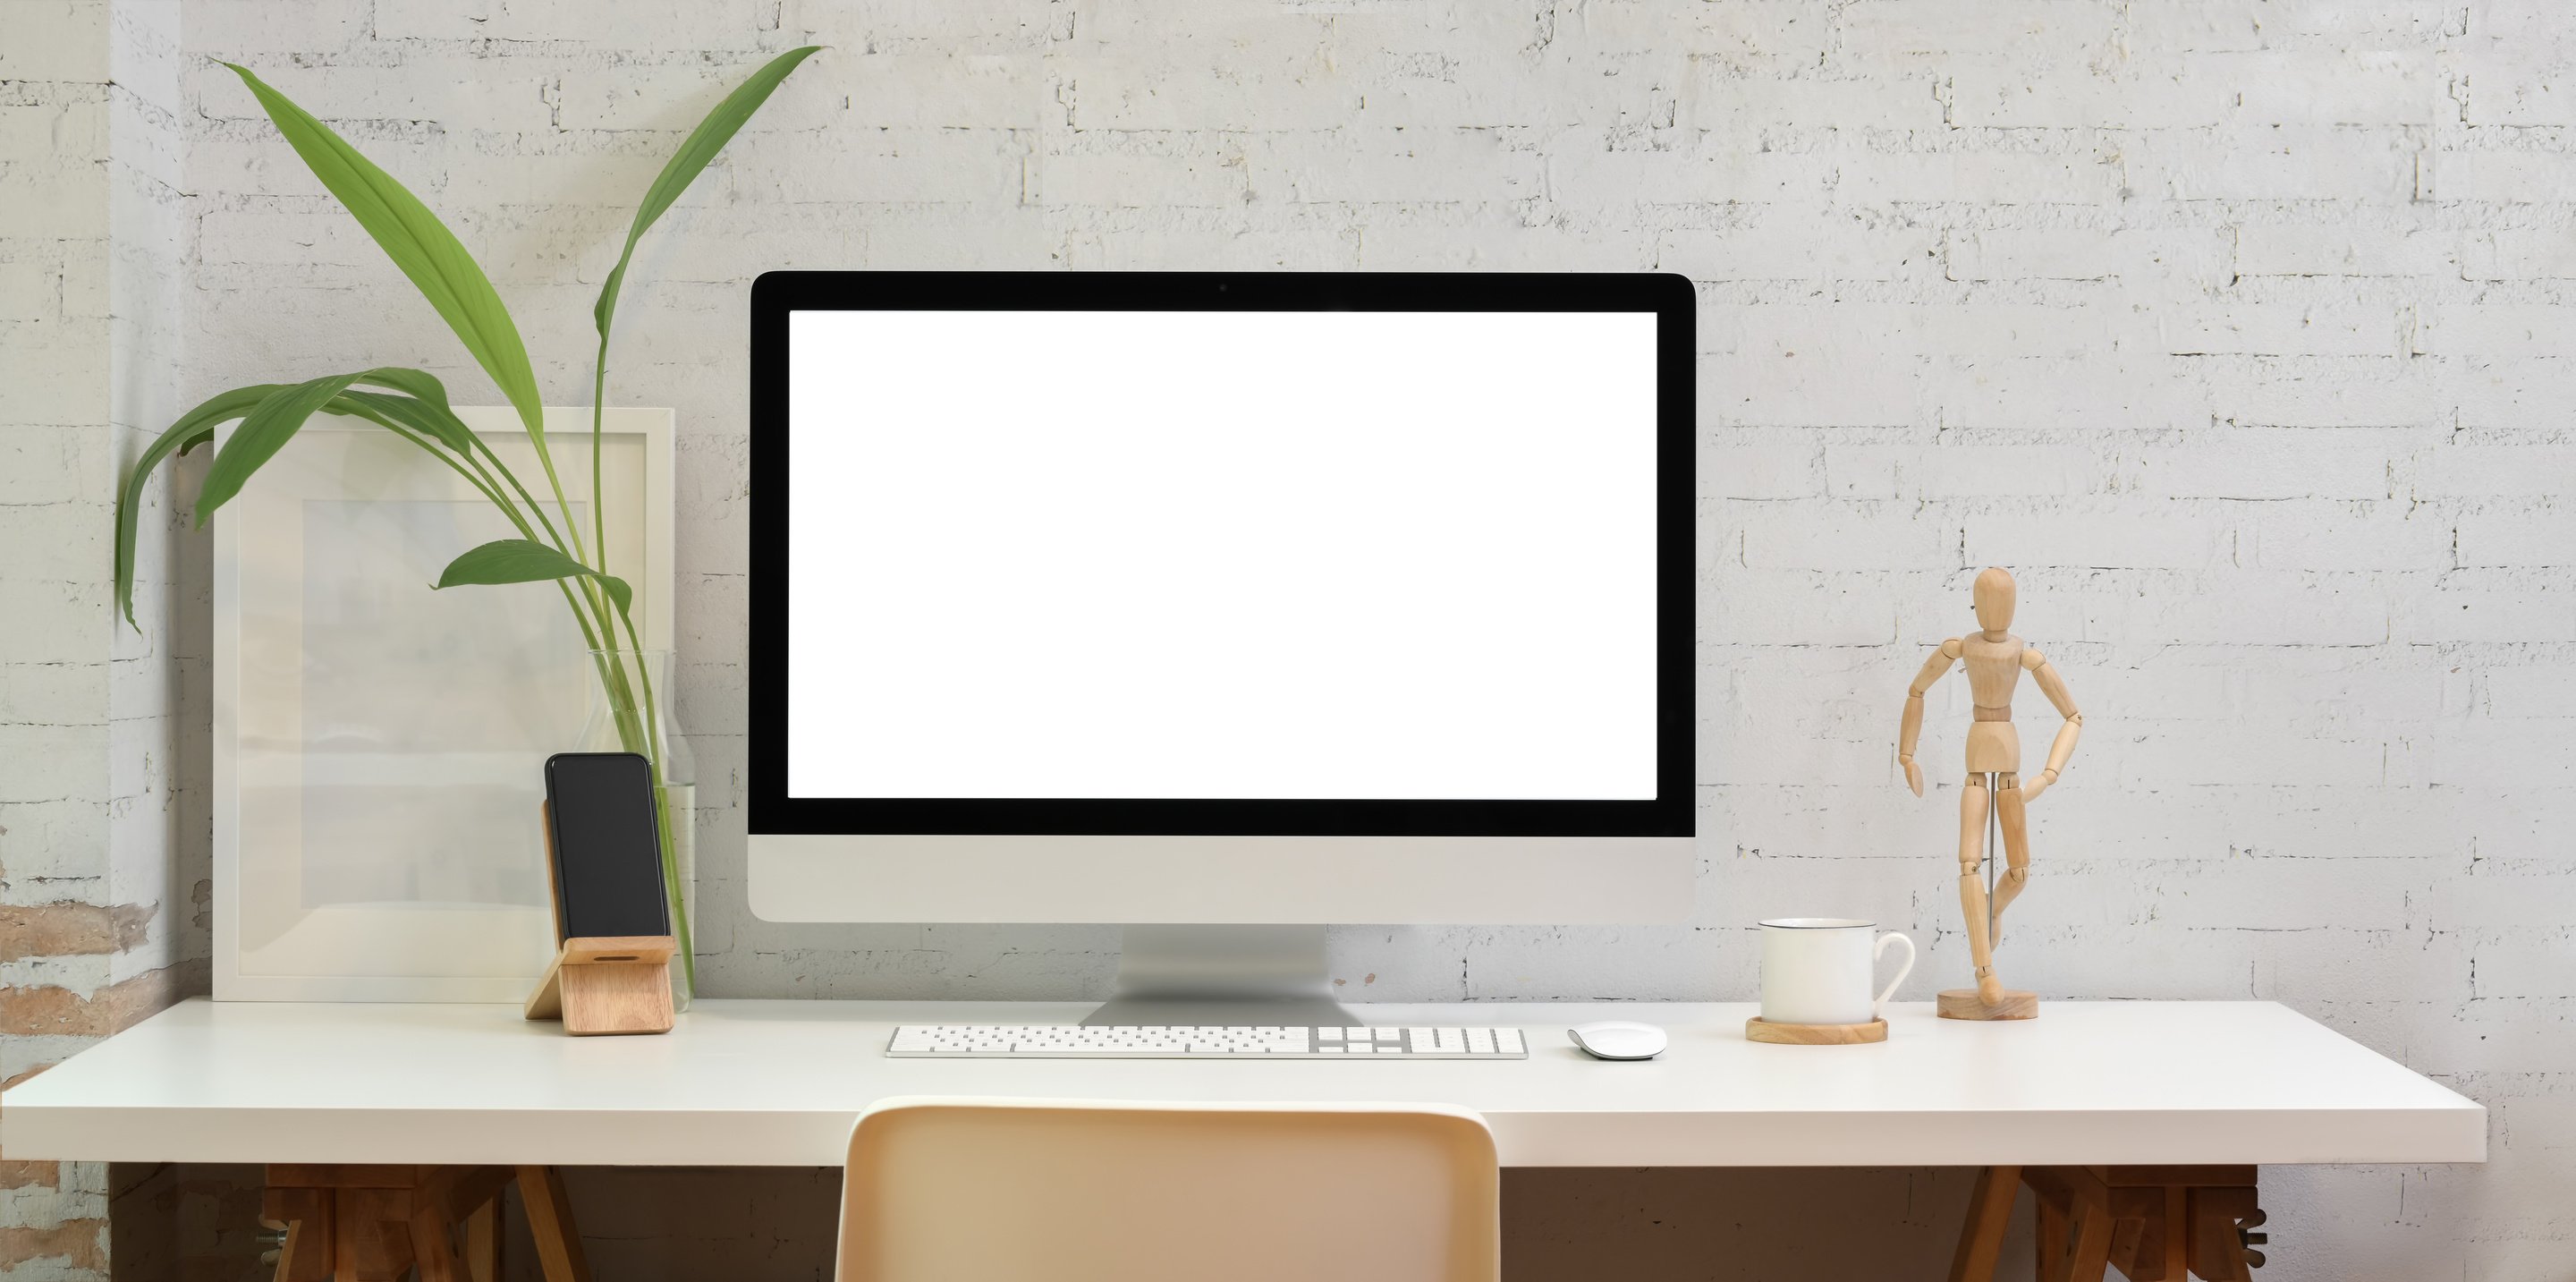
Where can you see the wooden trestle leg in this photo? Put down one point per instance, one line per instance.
(350, 1223)
(2152, 1223)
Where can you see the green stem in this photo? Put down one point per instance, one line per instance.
(591, 594)
(598, 407)
(546, 458)
(588, 600)
(590, 638)
(637, 734)
(643, 734)
(427, 447)
(651, 736)
(612, 678)
(670, 850)
(533, 505)
(671, 879)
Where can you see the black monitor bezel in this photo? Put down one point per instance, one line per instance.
(1670, 297)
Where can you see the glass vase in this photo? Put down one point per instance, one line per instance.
(631, 698)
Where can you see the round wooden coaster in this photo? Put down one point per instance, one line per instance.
(1756, 1030)
(1963, 1003)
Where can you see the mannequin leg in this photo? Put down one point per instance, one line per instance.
(2016, 878)
(1972, 886)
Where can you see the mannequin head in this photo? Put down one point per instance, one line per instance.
(1994, 594)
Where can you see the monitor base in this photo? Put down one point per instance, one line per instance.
(1222, 975)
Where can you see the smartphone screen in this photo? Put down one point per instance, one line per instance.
(608, 855)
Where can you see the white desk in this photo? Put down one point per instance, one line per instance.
(757, 1083)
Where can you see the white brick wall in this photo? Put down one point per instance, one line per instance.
(2235, 327)
(157, 682)
(102, 829)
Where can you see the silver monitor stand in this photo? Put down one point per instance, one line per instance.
(1223, 975)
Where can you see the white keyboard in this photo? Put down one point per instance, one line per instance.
(1232, 1041)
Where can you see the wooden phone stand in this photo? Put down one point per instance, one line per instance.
(603, 986)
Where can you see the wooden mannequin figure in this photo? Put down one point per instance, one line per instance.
(1995, 659)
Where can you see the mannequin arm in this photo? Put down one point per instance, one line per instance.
(2054, 686)
(1911, 728)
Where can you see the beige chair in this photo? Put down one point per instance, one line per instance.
(982, 1190)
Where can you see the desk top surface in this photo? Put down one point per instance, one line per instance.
(761, 1083)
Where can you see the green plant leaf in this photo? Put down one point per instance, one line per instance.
(431, 419)
(419, 244)
(193, 429)
(264, 431)
(423, 409)
(527, 561)
(693, 157)
(417, 384)
(275, 420)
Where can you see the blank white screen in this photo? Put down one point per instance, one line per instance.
(1327, 555)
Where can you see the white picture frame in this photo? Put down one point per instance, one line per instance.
(378, 747)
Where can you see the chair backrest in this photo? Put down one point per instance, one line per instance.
(968, 1190)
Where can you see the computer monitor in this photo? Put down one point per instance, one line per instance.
(1195, 599)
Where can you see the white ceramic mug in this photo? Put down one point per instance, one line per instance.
(1815, 970)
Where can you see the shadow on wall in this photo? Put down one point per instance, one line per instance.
(194, 1223)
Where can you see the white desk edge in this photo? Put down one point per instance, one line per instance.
(759, 1083)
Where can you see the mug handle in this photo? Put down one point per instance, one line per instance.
(1878, 1008)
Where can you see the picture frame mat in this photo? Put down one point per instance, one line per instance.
(376, 826)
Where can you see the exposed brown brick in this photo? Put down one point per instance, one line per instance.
(68, 929)
(53, 1011)
(82, 1242)
(48, 1011)
(152, 992)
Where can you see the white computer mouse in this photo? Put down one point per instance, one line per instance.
(1618, 1039)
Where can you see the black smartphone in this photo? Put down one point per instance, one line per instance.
(608, 853)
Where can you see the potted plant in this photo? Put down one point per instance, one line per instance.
(414, 406)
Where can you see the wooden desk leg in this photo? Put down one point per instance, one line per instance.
(550, 1222)
(2090, 1252)
(446, 1199)
(1981, 1239)
(2177, 1236)
(305, 1214)
(2048, 1236)
(379, 1223)
(373, 1234)
(2220, 1250)
(483, 1243)
(2151, 1223)
(432, 1246)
